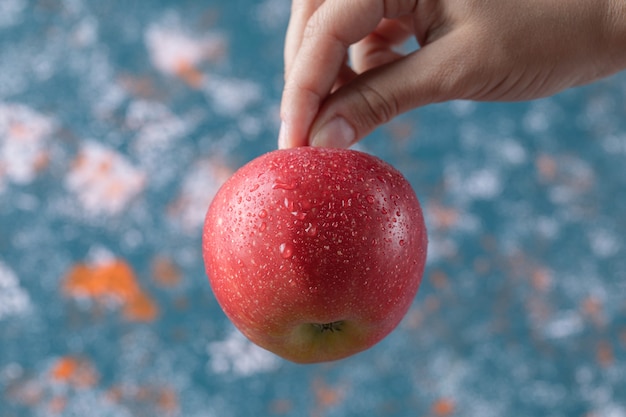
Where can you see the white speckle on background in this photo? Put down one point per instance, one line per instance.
(565, 324)
(536, 121)
(273, 14)
(103, 180)
(198, 189)
(462, 107)
(540, 116)
(615, 144)
(156, 126)
(611, 410)
(239, 356)
(441, 248)
(511, 151)
(604, 243)
(11, 12)
(544, 393)
(100, 255)
(483, 184)
(172, 50)
(14, 300)
(24, 138)
(86, 32)
(547, 227)
(231, 96)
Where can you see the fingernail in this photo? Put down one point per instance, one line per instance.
(282, 136)
(337, 133)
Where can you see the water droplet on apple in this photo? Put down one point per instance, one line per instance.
(286, 250)
(370, 199)
(402, 242)
(284, 185)
(263, 213)
(288, 204)
(262, 227)
(254, 188)
(311, 230)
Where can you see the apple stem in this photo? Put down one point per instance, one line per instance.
(335, 326)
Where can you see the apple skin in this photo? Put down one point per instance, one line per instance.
(315, 254)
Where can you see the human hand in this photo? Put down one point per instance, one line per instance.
(484, 50)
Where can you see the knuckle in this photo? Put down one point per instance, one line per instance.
(377, 108)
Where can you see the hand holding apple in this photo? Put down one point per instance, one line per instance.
(315, 254)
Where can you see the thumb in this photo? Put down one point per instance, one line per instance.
(437, 72)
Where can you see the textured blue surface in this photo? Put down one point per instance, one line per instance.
(119, 120)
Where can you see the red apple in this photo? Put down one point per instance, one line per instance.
(315, 254)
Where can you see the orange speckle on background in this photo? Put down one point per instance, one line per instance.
(138, 86)
(41, 161)
(413, 319)
(443, 217)
(604, 354)
(141, 308)
(19, 131)
(326, 395)
(115, 394)
(167, 400)
(401, 130)
(26, 391)
(439, 279)
(57, 404)
(163, 400)
(431, 303)
(541, 279)
(187, 72)
(64, 369)
(546, 167)
(592, 308)
(165, 272)
(74, 371)
(281, 406)
(443, 407)
(111, 279)
(105, 165)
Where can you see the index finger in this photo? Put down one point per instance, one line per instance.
(301, 12)
(333, 27)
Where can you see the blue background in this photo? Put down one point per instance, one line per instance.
(522, 310)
